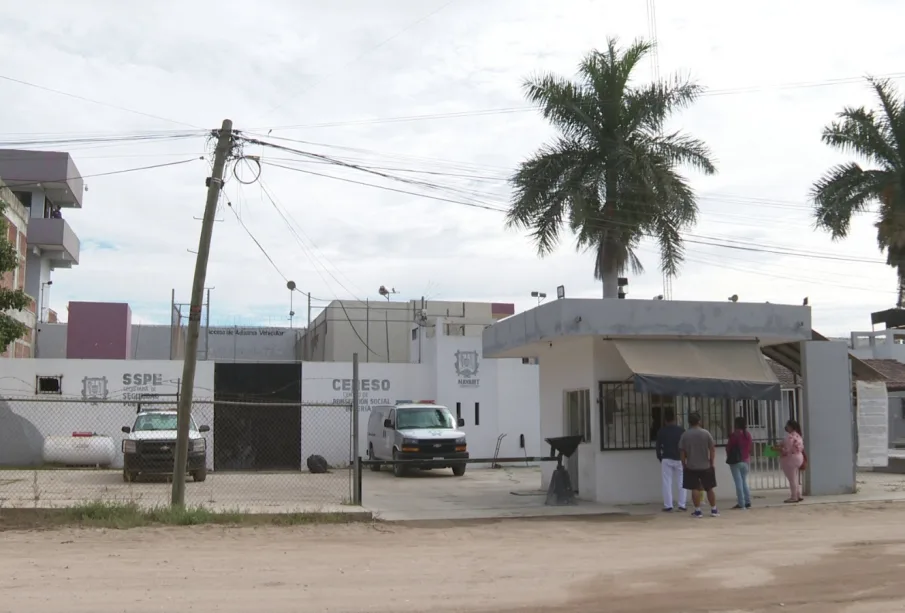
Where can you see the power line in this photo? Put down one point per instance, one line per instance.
(688, 237)
(93, 101)
(112, 172)
(524, 109)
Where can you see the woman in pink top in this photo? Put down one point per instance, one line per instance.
(791, 459)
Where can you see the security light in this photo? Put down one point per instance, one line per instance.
(733, 298)
(560, 292)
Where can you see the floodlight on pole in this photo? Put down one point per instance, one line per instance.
(539, 295)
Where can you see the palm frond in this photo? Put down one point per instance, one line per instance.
(846, 189)
(861, 132)
(564, 104)
(893, 119)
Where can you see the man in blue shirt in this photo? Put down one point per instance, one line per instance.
(670, 460)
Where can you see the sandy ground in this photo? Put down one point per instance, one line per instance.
(830, 558)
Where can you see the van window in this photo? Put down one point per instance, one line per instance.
(424, 418)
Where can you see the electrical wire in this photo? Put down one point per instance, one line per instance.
(525, 109)
(687, 237)
(112, 172)
(92, 101)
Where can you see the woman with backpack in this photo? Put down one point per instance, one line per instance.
(738, 455)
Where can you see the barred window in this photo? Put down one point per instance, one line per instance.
(630, 419)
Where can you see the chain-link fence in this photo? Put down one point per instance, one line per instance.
(243, 455)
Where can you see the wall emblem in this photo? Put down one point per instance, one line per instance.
(467, 368)
(94, 388)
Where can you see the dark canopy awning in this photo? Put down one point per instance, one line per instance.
(712, 369)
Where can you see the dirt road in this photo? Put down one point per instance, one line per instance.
(847, 558)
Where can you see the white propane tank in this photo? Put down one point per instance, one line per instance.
(79, 450)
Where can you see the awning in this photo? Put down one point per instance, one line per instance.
(713, 369)
(789, 355)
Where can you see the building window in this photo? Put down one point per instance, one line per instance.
(578, 414)
(414, 334)
(458, 411)
(753, 412)
(49, 385)
(477, 413)
(630, 419)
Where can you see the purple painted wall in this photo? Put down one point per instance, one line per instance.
(99, 331)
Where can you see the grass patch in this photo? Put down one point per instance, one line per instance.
(126, 515)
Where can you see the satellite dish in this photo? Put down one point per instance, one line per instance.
(290, 285)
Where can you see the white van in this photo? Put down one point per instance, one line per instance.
(417, 431)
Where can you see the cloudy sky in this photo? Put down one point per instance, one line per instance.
(428, 90)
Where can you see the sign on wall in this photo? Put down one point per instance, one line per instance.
(371, 392)
(134, 387)
(246, 331)
(873, 424)
(467, 364)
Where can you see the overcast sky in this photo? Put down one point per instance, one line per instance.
(334, 73)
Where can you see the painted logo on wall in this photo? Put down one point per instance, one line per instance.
(370, 392)
(467, 364)
(94, 388)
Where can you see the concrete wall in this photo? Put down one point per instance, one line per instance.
(879, 345)
(349, 326)
(507, 395)
(84, 380)
(99, 330)
(828, 418)
(223, 343)
(521, 334)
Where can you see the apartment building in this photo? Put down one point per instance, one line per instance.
(37, 187)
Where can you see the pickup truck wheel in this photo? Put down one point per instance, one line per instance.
(374, 467)
(459, 470)
(398, 469)
(200, 475)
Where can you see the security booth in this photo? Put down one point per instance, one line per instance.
(610, 369)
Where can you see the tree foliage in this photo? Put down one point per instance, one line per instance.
(10, 300)
(877, 137)
(610, 176)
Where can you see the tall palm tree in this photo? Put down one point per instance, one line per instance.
(878, 138)
(611, 174)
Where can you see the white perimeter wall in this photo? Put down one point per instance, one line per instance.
(53, 418)
(507, 393)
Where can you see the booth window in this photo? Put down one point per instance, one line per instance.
(578, 414)
(630, 419)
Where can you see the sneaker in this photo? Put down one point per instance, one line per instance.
(747, 505)
(683, 509)
(714, 512)
(738, 506)
(667, 509)
(697, 515)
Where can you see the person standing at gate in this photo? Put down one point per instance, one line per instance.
(738, 455)
(792, 458)
(698, 473)
(670, 460)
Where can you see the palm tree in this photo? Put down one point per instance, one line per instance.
(611, 174)
(878, 138)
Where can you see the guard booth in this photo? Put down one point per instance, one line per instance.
(610, 368)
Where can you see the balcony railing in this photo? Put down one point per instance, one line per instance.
(55, 237)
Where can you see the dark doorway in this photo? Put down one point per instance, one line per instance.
(254, 436)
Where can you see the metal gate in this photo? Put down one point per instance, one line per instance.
(766, 423)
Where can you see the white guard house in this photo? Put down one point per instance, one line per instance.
(609, 369)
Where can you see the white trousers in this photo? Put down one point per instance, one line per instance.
(672, 473)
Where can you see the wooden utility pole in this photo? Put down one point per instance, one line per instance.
(214, 186)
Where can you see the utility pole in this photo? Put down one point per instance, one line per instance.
(214, 186)
(308, 331)
(356, 454)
